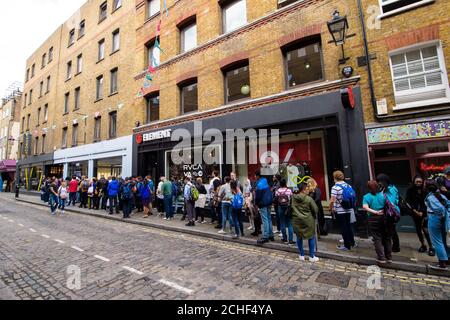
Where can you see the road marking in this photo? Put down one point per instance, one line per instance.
(59, 241)
(32, 230)
(176, 286)
(12, 221)
(133, 270)
(21, 225)
(102, 258)
(45, 236)
(76, 248)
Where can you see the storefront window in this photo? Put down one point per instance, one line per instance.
(78, 169)
(194, 171)
(430, 167)
(111, 167)
(432, 147)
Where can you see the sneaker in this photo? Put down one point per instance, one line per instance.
(204, 222)
(291, 243)
(63, 212)
(255, 234)
(314, 260)
(262, 241)
(343, 248)
(438, 266)
(235, 237)
(284, 240)
(341, 241)
(381, 261)
(221, 232)
(431, 252)
(302, 258)
(250, 228)
(355, 245)
(389, 261)
(272, 239)
(423, 249)
(165, 219)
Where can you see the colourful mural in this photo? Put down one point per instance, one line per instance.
(415, 131)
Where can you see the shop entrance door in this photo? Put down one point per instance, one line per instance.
(151, 166)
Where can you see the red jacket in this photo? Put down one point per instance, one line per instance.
(73, 186)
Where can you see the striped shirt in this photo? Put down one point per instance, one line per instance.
(337, 192)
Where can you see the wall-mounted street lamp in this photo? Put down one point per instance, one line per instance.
(338, 28)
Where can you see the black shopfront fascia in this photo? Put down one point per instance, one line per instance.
(345, 139)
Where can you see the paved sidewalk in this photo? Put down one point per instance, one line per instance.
(409, 259)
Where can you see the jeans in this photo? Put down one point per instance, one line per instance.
(266, 218)
(113, 204)
(438, 234)
(312, 247)
(381, 231)
(422, 230)
(72, 198)
(189, 205)
(84, 199)
(277, 214)
(346, 229)
(53, 201)
(176, 205)
(237, 221)
(285, 222)
(126, 208)
(62, 204)
(168, 206)
(226, 215)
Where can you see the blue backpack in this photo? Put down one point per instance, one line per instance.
(145, 191)
(238, 201)
(126, 192)
(348, 197)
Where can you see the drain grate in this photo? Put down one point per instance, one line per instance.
(334, 279)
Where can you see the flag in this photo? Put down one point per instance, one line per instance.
(151, 69)
(148, 77)
(158, 28)
(158, 46)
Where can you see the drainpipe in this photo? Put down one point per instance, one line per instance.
(369, 66)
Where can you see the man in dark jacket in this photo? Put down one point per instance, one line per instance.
(263, 201)
(113, 192)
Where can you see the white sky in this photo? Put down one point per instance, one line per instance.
(24, 26)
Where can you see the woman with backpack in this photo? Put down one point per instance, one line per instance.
(380, 228)
(304, 213)
(146, 198)
(391, 193)
(201, 202)
(438, 207)
(237, 205)
(283, 197)
(415, 201)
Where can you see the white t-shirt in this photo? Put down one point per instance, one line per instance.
(62, 192)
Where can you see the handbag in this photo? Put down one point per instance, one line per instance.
(390, 210)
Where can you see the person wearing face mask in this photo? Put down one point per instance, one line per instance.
(415, 198)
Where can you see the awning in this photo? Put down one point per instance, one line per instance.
(8, 166)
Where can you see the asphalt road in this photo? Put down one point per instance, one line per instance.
(75, 257)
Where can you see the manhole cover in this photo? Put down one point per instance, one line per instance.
(334, 279)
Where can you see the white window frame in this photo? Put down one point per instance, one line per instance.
(149, 6)
(184, 47)
(442, 66)
(227, 30)
(405, 8)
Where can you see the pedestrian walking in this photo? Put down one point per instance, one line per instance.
(415, 201)
(237, 205)
(391, 192)
(201, 202)
(380, 226)
(226, 196)
(264, 200)
(304, 214)
(63, 193)
(113, 192)
(53, 197)
(189, 200)
(283, 197)
(438, 207)
(342, 205)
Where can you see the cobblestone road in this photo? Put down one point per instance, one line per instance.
(40, 256)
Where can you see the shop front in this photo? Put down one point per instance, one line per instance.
(316, 136)
(107, 158)
(405, 150)
(33, 169)
(7, 173)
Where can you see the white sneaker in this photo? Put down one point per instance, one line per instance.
(63, 212)
(314, 260)
(250, 228)
(302, 258)
(221, 232)
(165, 219)
(341, 241)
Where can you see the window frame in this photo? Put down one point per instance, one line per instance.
(79, 65)
(69, 70)
(77, 98)
(44, 61)
(148, 15)
(114, 75)
(66, 102)
(182, 29)
(226, 4)
(43, 143)
(97, 129)
(50, 55)
(36, 146)
(296, 45)
(151, 45)
(81, 29)
(99, 87)
(401, 9)
(112, 120)
(114, 34)
(117, 4)
(101, 10)
(45, 113)
(101, 50)
(48, 84)
(148, 107)
(182, 86)
(64, 138)
(71, 38)
(443, 69)
(38, 116)
(75, 135)
(235, 66)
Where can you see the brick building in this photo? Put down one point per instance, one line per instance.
(408, 127)
(9, 136)
(251, 64)
(77, 96)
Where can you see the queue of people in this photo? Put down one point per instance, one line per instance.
(298, 210)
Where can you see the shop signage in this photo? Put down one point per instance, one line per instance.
(407, 132)
(27, 144)
(433, 167)
(158, 135)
